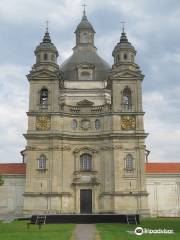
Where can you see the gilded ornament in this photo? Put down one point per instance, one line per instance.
(43, 123)
(128, 123)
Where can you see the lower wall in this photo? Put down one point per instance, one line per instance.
(164, 194)
(163, 199)
(11, 194)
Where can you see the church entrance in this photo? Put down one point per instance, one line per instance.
(86, 201)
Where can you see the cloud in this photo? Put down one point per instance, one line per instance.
(151, 26)
(13, 107)
(162, 122)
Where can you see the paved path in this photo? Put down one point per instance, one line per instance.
(85, 232)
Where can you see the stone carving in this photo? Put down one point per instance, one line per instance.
(128, 123)
(61, 148)
(110, 148)
(85, 124)
(43, 123)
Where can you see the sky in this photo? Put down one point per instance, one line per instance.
(151, 26)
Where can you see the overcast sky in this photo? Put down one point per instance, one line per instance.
(152, 27)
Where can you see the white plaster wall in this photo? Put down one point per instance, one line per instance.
(164, 194)
(11, 194)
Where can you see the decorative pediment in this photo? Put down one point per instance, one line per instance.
(85, 102)
(128, 74)
(43, 73)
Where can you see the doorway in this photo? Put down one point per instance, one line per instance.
(85, 201)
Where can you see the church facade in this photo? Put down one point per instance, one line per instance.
(85, 140)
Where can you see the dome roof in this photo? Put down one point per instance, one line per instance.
(69, 67)
(124, 43)
(46, 44)
(84, 24)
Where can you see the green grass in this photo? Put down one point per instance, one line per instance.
(119, 231)
(17, 230)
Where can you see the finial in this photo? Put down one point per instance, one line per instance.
(123, 26)
(84, 9)
(47, 26)
(46, 36)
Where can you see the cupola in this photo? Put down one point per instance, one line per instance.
(123, 52)
(46, 53)
(84, 33)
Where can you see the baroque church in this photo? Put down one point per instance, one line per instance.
(85, 149)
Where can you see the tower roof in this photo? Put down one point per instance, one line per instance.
(123, 44)
(46, 44)
(84, 24)
(85, 53)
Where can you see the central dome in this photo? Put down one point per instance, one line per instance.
(85, 63)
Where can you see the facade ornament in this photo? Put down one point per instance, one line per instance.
(85, 124)
(43, 123)
(111, 148)
(128, 123)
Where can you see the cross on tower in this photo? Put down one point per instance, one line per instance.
(84, 8)
(123, 26)
(47, 26)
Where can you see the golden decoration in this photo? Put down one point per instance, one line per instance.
(43, 123)
(128, 123)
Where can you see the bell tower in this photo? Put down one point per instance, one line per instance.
(126, 84)
(44, 83)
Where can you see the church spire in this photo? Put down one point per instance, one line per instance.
(47, 38)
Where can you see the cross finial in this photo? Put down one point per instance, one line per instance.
(123, 26)
(47, 26)
(84, 9)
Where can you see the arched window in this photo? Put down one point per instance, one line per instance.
(74, 124)
(127, 98)
(97, 123)
(129, 162)
(85, 162)
(44, 96)
(42, 162)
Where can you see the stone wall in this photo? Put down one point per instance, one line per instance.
(163, 199)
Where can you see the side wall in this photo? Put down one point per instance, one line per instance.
(11, 195)
(164, 194)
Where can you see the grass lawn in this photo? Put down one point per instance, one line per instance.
(17, 230)
(119, 231)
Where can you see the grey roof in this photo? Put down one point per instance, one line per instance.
(84, 24)
(46, 44)
(85, 56)
(124, 43)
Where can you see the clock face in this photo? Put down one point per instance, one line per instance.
(43, 123)
(128, 123)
